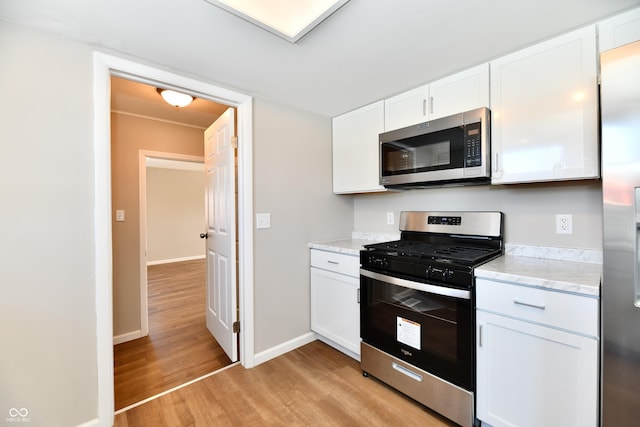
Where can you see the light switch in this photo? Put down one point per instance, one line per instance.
(119, 215)
(263, 220)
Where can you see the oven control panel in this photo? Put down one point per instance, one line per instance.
(437, 273)
(444, 220)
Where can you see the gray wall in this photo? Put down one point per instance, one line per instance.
(47, 276)
(292, 181)
(529, 210)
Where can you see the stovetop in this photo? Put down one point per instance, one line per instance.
(441, 247)
(451, 252)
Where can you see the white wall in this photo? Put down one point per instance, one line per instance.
(175, 214)
(47, 276)
(529, 210)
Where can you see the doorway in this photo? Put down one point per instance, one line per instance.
(104, 67)
(178, 347)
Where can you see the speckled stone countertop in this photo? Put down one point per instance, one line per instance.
(343, 246)
(354, 244)
(569, 270)
(562, 274)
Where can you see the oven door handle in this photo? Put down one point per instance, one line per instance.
(432, 289)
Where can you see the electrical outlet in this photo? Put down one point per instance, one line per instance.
(390, 218)
(564, 224)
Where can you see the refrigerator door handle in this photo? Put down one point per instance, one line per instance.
(636, 257)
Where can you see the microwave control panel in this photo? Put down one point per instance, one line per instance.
(472, 145)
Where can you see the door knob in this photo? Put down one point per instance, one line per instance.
(204, 235)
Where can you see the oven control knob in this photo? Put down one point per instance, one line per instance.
(446, 275)
(428, 272)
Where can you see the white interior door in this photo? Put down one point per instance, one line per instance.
(221, 232)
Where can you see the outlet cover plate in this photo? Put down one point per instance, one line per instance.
(564, 224)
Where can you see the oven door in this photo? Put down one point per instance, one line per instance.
(428, 326)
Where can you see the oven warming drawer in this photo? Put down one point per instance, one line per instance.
(441, 396)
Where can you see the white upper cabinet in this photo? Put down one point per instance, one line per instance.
(454, 94)
(355, 149)
(406, 109)
(619, 30)
(544, 111)
(460, 92)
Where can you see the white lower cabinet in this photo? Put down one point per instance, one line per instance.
(335, 309)
(533, 368)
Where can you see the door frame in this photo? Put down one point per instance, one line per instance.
(105, 65)
(143, 155)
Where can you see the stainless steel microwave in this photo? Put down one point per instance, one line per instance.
(449, 150)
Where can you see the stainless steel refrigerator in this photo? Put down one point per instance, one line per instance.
(620, 297)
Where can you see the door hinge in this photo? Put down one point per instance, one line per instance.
(234, 141)
(236, 327)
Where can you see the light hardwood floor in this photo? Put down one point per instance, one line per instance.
(314, 385)
(179, 348)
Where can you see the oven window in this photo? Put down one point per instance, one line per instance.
(430, 331)
(423, 153)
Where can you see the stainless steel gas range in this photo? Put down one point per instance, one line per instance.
(417, 302)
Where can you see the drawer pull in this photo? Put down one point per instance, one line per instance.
(539, 306)
(333, 262)
(407, 372)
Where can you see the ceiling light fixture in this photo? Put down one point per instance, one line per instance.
(174, 98)
(289, 19)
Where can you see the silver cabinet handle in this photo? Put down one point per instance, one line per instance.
(431, 104)
(358, 295)
(496, 167)
(480, 336)
(527, 304)
(424, 107)
(333, 262)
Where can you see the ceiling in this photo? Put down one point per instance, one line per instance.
(365, 51)
(136, 98)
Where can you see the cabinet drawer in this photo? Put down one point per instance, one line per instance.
(337, 262)
(565, 311)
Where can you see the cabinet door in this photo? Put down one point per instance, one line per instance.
(460, 92)
(619, 30)
(531, 375)
(454, 94)
(545, 111)
(355, 150)
(335, 311)
(408, 108)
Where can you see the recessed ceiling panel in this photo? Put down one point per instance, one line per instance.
(289, 19)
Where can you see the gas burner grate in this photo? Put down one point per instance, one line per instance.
(458, 253)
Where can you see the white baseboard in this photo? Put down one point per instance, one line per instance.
(91, 423)
(283, 348)
(129, 336)
(169, 261)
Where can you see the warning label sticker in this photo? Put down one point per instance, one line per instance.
(408, 332)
